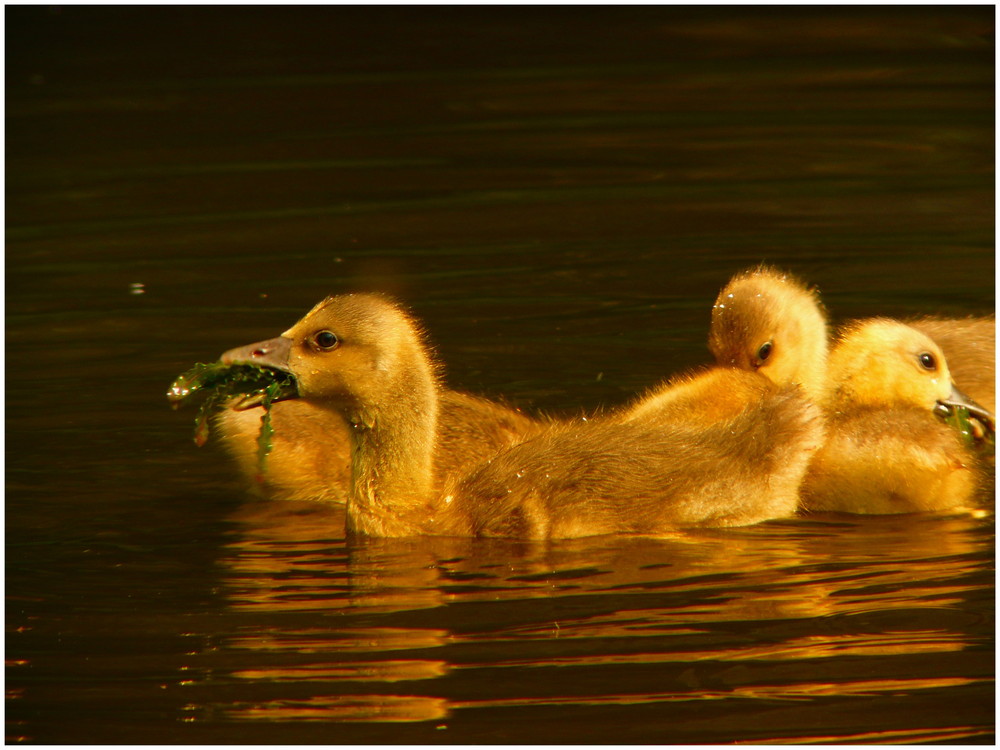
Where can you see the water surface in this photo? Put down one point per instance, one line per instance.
(558, 195)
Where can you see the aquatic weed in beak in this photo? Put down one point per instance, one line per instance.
(219, 383)
(976, 433)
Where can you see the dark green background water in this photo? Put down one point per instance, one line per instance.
(558, 194)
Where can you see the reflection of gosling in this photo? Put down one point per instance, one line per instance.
(363, 358)
(886, 451)
(310, 458)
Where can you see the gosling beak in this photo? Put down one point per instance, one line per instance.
(957, 399)
(272, 353)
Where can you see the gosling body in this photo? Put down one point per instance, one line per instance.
(647, 476)
(310, 458)
(363, 358)
(885, 450)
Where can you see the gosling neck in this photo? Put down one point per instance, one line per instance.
(392, 460)
(805, 349)
(814, 368)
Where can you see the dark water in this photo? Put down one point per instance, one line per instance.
(558, 194)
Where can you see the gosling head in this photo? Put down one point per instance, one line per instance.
(884, 363)
(355, 349)
(768, 321)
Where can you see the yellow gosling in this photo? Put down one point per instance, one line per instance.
(365, 359)
(767, 321)
(886, 451)
(311, 454)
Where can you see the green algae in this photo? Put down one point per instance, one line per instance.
(216, 385)
(975, 433)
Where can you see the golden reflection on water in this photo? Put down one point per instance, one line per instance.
(807, 647)
(799, 692)
(897, 737)
(797, 593)
(345, 641)
(363, 671)
(383, 708)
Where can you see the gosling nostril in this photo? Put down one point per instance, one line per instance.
(271, 353)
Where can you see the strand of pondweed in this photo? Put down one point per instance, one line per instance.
(218, 383)
(264, 437)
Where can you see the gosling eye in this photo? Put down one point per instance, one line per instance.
(928, 361)
(325, 341)
(764, 352)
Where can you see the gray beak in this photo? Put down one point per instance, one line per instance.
(271, 353)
